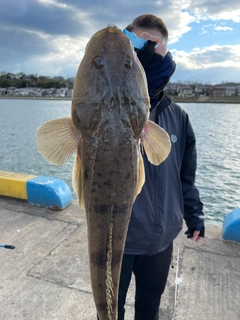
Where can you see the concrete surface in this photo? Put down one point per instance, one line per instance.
(46, 276)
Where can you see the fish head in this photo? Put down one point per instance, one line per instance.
(110, 55)
(110, 76)
(110, 47)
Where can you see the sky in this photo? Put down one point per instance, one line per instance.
(48, 37)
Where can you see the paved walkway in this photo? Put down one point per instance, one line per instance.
(46, 276)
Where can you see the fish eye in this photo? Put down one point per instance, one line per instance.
(128, 63)
(98, 63)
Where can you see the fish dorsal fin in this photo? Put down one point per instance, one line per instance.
(77, 180)
(141, 175)
(156, 143)
(57, 140)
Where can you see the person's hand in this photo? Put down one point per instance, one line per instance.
(153, 45)
(196, 235)
(160, 48)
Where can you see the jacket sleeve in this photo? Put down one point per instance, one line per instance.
(193, 207)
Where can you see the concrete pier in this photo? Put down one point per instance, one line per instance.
(46, 277)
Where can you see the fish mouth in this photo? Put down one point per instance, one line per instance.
(108, 30)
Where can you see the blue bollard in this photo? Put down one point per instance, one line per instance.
(48, 192)
(231, 226)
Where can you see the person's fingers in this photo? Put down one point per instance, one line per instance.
(195, 235)
(160, 48)
(199, 239)
(147, 36)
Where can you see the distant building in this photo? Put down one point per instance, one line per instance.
(231, 89)
(10, 91)
(185, 91)
(218, 91)
(200, 89)
(3, 91)
(61, 93)
(70, 93)
(172, 88)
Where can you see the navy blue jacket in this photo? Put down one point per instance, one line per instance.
(169, 193)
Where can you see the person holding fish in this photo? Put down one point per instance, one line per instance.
(169, 193)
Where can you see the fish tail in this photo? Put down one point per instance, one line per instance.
(109, 282)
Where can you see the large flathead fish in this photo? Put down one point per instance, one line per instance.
(109, 123)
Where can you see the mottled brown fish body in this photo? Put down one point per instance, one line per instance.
(111, 118)
(109, 194)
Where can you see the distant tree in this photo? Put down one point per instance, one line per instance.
(20, 83)
(5, 81)
(44, 82)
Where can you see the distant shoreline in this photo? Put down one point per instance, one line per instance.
(35, 98)
(175, 99)
(207, 101)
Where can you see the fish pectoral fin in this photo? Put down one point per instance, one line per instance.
(156, 143)
(77, 180)
(57, 140)
(141, 175)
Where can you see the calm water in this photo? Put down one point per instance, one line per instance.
(218, 144)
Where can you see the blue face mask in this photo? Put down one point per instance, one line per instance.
(138, 43)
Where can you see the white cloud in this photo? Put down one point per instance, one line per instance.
(223, 28)
(213, 56)
(53, 3)
(211, 75)
(213, 10)
(203, 31)
(64, 60)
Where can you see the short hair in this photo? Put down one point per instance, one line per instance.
(149, 21)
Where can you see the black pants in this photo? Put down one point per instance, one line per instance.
(151, 274)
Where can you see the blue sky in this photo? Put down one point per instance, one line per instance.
(207, 33)
(48, 37)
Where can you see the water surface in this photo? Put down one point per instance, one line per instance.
(217, 132)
